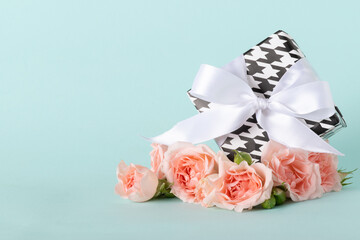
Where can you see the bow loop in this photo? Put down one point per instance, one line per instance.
(216, 85)
(313, 101)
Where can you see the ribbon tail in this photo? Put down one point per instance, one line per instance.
(207, 125)
(291, 132)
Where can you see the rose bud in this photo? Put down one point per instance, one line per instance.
(279, 195)
(136, 183)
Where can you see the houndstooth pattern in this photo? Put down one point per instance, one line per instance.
(266, 63)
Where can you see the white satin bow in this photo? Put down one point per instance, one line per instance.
(298, 95)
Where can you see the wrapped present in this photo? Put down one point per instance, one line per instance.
(266, 63)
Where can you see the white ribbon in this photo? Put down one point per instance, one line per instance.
(298, 95)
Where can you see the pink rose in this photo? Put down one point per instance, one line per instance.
(237, 186)
(136, 182)
(330, 179)
(205, 190)
(157, 156)
(292, 167)
(185, 165)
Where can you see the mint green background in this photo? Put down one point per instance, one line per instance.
(81, 81)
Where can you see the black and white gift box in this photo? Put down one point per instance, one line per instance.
(266, 63)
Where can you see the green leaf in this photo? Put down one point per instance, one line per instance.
(349, 172)
(344, 176)
(345, 179)
(242, 156)
(237, 158)
(169, 195)
(164, 189)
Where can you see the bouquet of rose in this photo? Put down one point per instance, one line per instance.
(270, 115)
(196, 174)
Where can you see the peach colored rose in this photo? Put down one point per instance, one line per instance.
(205, 190)
(237, 186)
(185, 165)
(292, 167)
(136, 182)
(330, 179)
(157, 156)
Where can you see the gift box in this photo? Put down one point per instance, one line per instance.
(266, 63)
